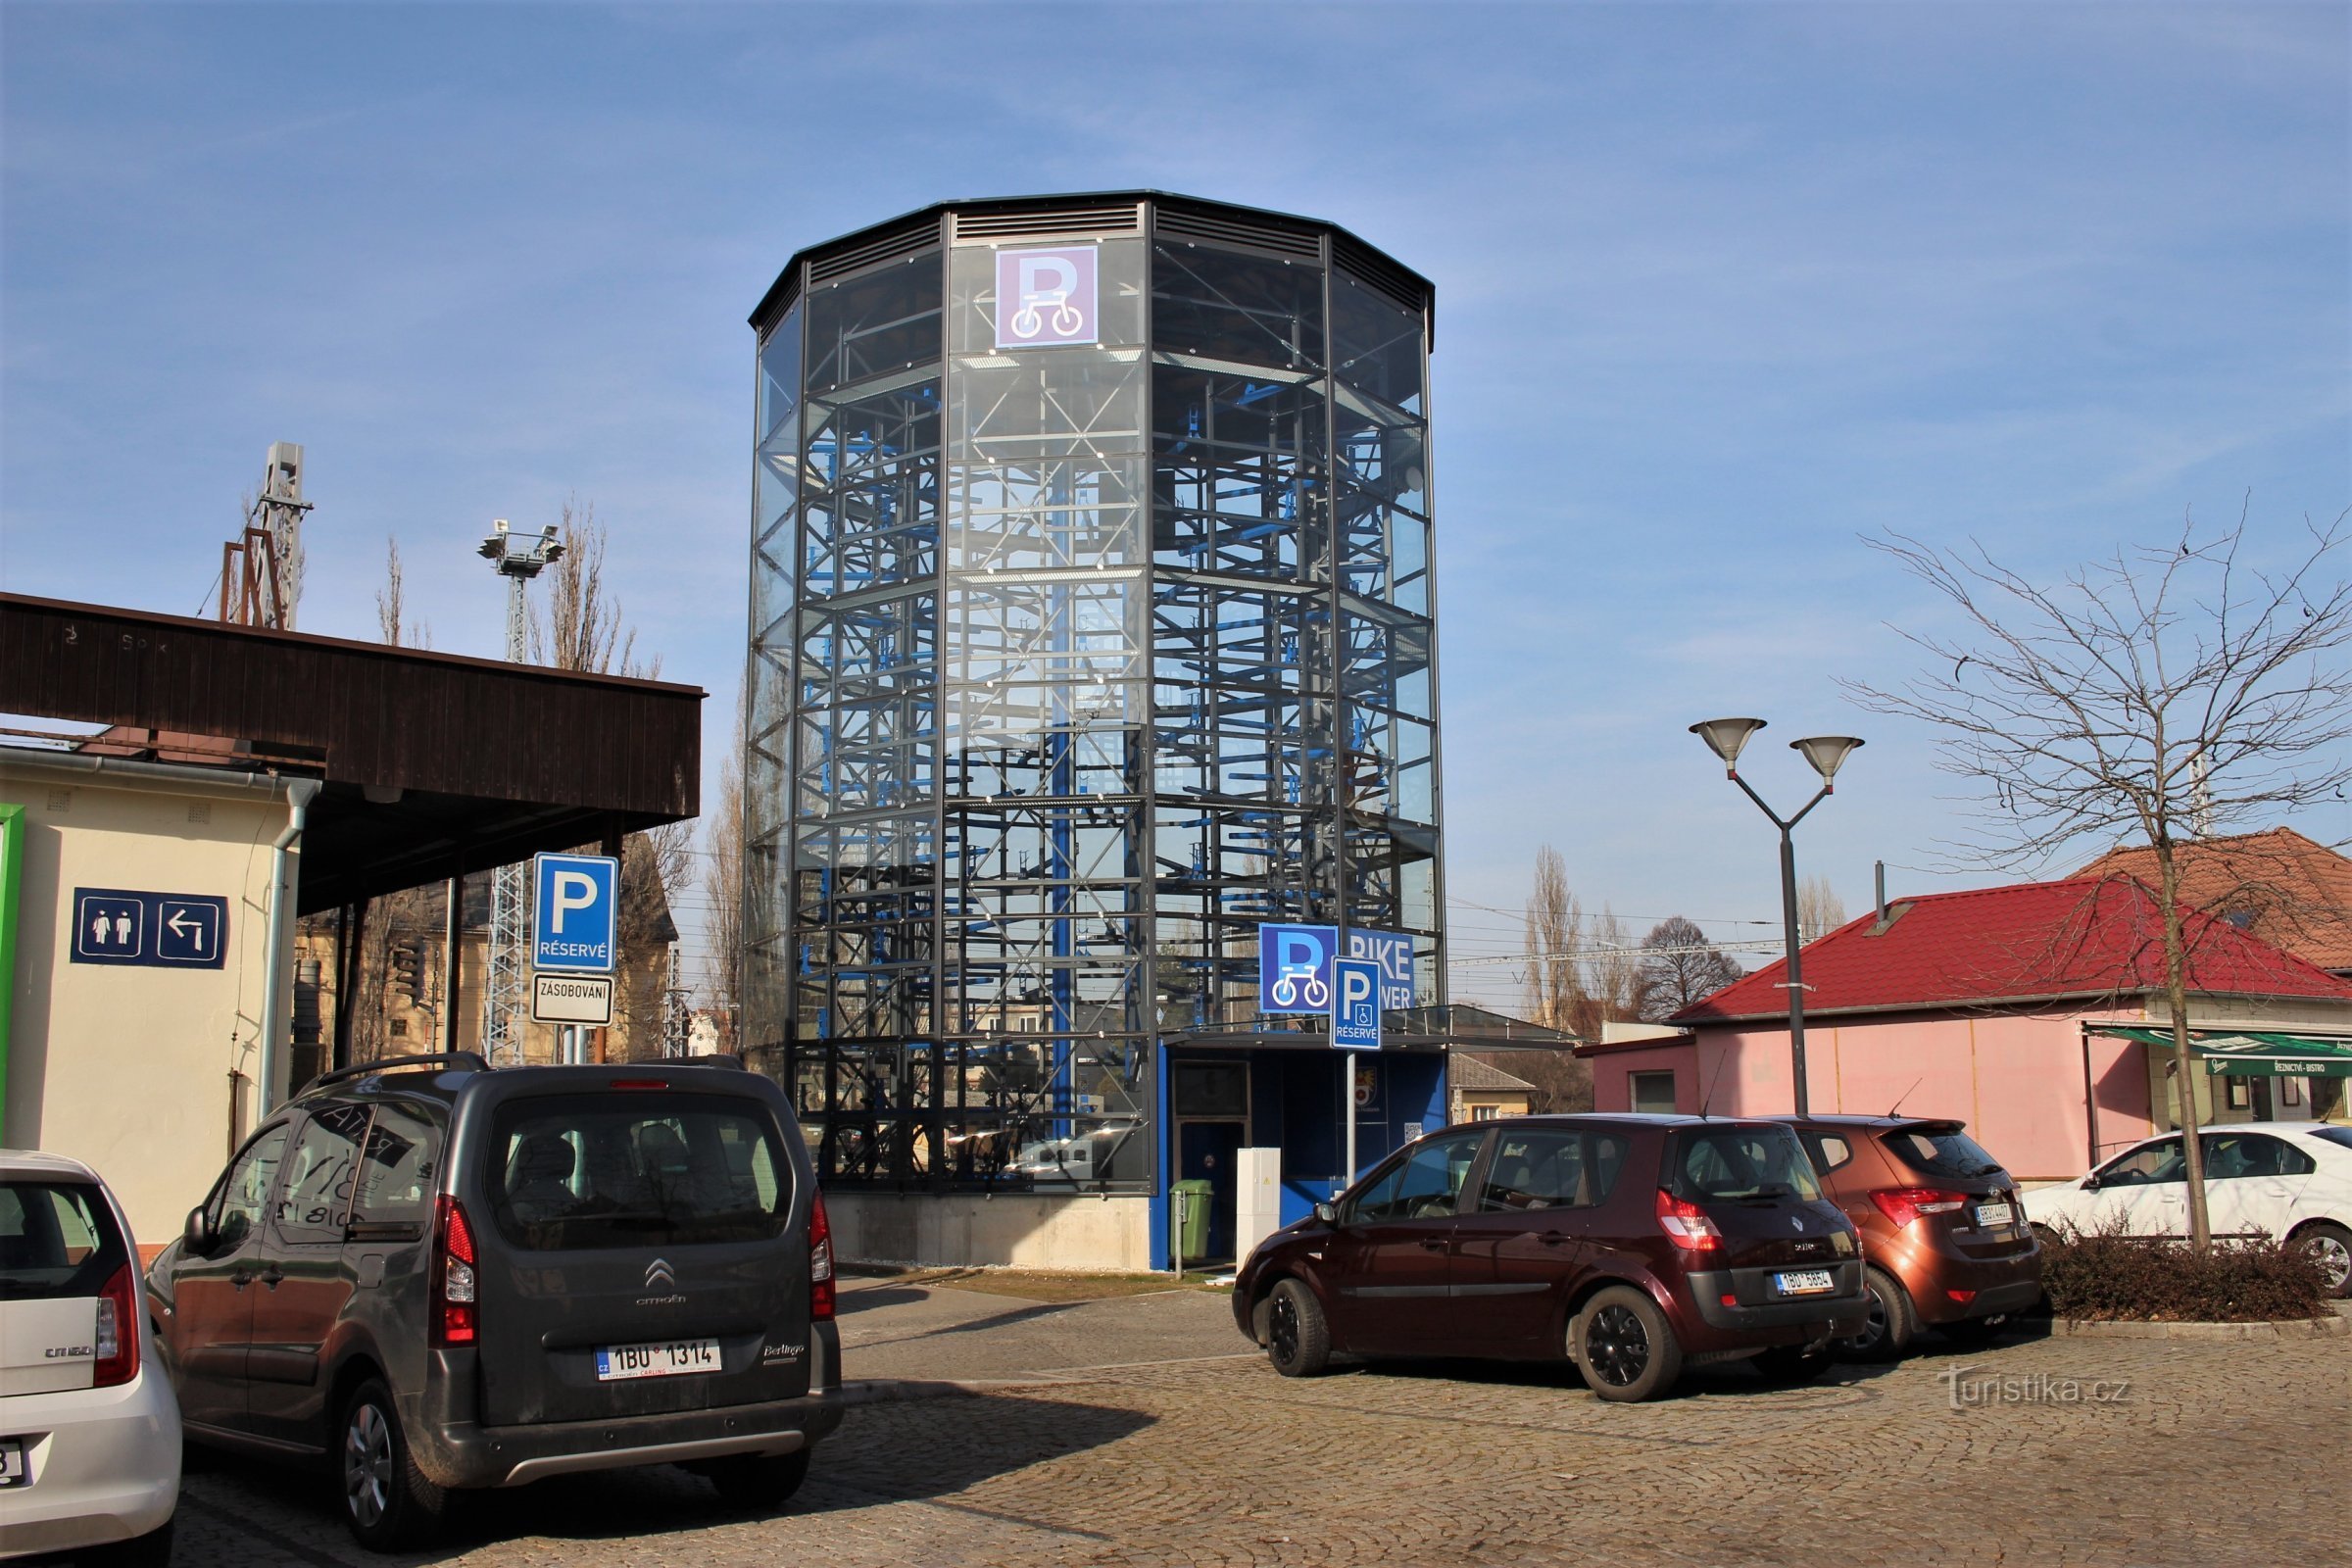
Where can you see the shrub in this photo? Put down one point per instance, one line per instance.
(2109, 1275)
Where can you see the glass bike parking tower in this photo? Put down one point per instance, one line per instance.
(1092, 626)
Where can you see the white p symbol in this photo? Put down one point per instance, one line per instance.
(1355, 988)
(1046, 279)
(574, 889)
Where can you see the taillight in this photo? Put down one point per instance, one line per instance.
(1686, 1224)
(821, 1261)
(1903, 1205)
(118, 1339)
(454, 1322)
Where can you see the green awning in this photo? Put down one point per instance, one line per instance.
(2251, 1053)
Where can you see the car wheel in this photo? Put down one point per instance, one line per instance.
(761, 1481)
(1787, 1365)
(387, 1501)
(1624, 1345)
(1298, 1340)
(2332, 1244)
(150, 1550)
(1891, 1324)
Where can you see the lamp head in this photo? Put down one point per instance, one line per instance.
(1727, 737)
(1827, 752)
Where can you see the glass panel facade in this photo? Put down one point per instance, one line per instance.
(1072, 665)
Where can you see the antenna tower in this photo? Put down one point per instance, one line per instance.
(261, 570)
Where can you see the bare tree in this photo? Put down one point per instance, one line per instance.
(2161, 692)
(1679, 966)
(1819, 909)
(576, 622)
(390, 602)
(1555, 989)
(723, 881)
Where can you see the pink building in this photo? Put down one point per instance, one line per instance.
(2024, 1011)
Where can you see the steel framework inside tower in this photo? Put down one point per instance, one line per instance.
(1070, 666)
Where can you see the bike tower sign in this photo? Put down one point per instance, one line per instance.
(1046, 297)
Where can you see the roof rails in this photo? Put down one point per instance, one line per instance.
(465, 1060)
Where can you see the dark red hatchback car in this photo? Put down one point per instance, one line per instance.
(1632, 1244)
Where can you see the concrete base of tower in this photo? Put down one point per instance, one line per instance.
(1080, 1232)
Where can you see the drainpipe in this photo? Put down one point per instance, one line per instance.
(276, 1021)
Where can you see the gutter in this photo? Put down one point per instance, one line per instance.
(279, 1022)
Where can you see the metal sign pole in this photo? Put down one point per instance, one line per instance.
(1347, 1105)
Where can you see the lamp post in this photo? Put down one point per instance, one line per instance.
(1726, 738)
(519, 558)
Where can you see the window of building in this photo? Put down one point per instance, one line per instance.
(1485, 1112)
(1652, 1091)
(2291, 1091)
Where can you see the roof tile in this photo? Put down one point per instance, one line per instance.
(2082, 937)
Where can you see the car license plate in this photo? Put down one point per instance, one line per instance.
(1994, 1215)
(1803, 1282)
(12, 1462)
(671, 1358)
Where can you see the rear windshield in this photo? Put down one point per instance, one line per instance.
(1724, 1163)
(644, 1169)
(1940, 1152)
(57, 1238)
(2334, 1135)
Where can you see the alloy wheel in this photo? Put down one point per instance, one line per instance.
(1281, 1330)
(2335, 1259)
(368, 1465)
(1874, 1334)
(1616, 1346)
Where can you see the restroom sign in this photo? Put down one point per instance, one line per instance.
(577, 915)
(1046, 297)
(152, 930)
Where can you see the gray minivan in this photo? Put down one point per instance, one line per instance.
(438, 1276)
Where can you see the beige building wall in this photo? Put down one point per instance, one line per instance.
(146, 1074)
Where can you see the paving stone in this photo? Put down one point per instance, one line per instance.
(1132, 1433)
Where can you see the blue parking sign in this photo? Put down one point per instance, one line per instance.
(576, 918)
(1355, 1005)
(1294, 967)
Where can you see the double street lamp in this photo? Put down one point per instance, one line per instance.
(1726, 738)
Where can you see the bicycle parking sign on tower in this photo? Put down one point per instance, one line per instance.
(1294, 967)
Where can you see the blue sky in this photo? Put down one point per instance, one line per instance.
(1720, 289)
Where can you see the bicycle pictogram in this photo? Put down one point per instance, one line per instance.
(1292, 988)
(1030, 318)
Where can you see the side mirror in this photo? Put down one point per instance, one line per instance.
(198, 1235)
(2091, 1183)
(1327, 1213)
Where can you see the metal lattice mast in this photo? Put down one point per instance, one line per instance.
(518, 557)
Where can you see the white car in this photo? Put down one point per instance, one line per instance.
(2272, 1178)
(90, 1428)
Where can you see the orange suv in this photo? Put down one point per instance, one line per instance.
(1943, 1236)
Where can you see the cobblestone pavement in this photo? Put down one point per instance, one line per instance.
(1189, 1453)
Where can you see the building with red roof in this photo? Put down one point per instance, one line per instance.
(2032, 1013)
(2287, 889)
